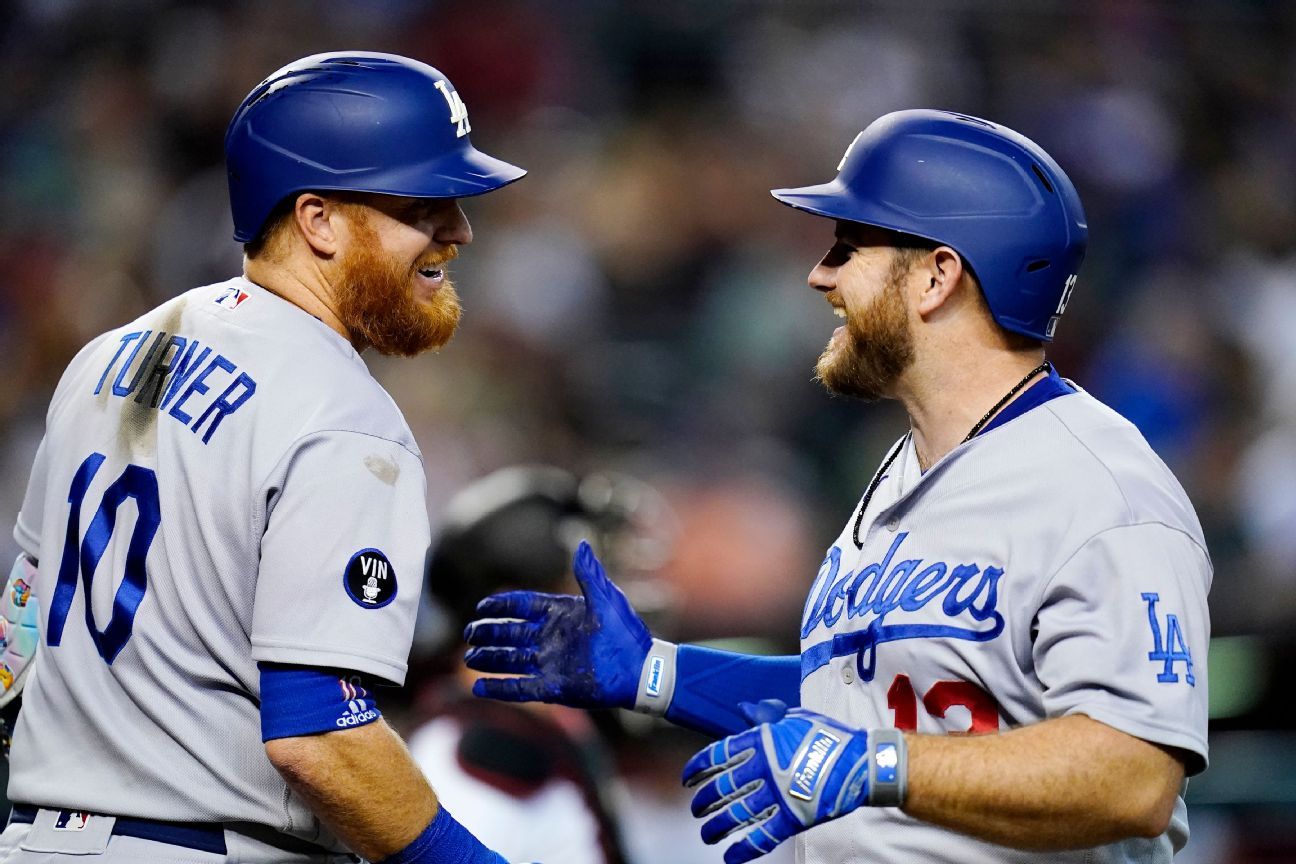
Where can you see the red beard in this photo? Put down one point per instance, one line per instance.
(376, 303)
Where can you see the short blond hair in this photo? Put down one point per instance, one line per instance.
(909, 249)
(269, 239)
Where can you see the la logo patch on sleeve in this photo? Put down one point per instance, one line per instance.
(369, 579)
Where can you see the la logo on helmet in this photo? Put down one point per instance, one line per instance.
(458, 111)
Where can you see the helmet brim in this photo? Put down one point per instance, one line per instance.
(455, 175)
(825, 199)
(833, 200)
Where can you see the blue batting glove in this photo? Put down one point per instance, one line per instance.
(795, 770)
(587, 651)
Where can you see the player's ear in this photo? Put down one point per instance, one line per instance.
(940, 273)
(316, 217)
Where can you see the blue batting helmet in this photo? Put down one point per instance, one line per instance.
(990, 193)
(354, 121)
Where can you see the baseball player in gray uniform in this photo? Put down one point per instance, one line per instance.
(1003, 654)
(225, 524)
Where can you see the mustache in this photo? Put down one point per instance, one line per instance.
(437, 259)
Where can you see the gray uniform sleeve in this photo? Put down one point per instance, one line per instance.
(342, 556)
(27, 528)
(1122, 632)
(29, 525)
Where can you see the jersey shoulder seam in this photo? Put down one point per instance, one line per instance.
(330, 431)
(1048, 583)
(1117, 483)
(1119, 488)
(292, 447)
(1052, 409)
(257, 512)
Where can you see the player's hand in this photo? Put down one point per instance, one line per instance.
(585, 651)
(794, 770)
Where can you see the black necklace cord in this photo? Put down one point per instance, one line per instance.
(1046, 366)
(873, 484)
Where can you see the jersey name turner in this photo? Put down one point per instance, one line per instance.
(168, 377)
(176, 555)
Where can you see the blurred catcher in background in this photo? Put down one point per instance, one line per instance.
(535, 775)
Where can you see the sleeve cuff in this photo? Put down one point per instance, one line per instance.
(1153, 734)
(297, 701)
(329, 657)
(657, 679)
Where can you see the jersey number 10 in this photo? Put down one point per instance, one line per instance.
(81, 556)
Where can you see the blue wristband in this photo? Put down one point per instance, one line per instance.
(303, 700)
(445, 841)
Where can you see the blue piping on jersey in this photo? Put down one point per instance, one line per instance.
(865, 642)
(1046, 389)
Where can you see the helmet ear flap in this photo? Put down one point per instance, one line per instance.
(352, 121)
(989, 193)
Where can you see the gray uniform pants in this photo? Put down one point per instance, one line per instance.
(42, 843)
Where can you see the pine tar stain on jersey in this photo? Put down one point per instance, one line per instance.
(177, 376)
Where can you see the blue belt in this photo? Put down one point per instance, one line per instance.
(193, 835)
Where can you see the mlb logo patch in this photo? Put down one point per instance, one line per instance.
(231, 297)
(71, 820)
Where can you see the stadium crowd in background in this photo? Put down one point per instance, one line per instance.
(637, 304)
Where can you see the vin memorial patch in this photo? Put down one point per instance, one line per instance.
(370, 579)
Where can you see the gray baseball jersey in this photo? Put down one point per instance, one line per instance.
(221, 482)
(1051, 566)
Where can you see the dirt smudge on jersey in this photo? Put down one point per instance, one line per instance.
(383, 468)
(137, 430)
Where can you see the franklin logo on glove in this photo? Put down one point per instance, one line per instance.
(806, 774)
